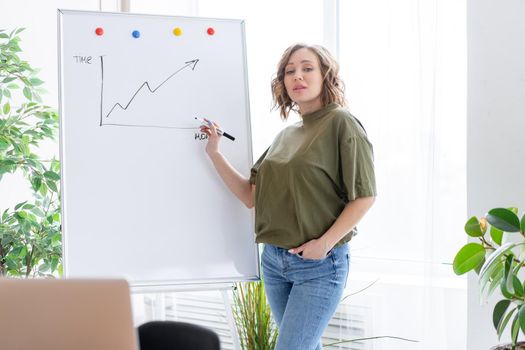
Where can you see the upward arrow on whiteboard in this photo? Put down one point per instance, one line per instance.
(191, 64)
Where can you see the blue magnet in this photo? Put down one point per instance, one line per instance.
(136, 34)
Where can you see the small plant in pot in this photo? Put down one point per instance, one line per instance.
(498, 258)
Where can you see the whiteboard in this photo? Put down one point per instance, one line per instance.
(140, 198)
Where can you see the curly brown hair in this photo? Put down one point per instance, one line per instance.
(333, 87)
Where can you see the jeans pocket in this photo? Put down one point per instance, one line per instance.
(300, 256)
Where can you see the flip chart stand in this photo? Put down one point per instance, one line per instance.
(158, 303)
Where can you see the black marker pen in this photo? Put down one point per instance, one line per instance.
(219, 131)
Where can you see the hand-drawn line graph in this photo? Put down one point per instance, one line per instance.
(146, 84)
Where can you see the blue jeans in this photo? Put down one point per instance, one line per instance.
(303, 294)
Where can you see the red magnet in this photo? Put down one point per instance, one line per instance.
(211, 31)
(99, 31)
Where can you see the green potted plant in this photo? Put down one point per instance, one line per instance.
(30, 236)
(253, 318)
(498, 258)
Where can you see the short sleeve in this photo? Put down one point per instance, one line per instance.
(255, 168)
(357, 167)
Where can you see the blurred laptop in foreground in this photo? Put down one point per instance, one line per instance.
(66, 314)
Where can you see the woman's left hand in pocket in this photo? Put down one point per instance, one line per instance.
(316, 249)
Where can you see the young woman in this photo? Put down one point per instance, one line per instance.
(310, 189)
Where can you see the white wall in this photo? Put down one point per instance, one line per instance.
(496, 128)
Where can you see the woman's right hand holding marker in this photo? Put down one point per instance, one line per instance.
(213, 137)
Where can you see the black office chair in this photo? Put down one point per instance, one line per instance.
(170, 335)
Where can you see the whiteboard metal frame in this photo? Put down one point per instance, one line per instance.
(153, 286)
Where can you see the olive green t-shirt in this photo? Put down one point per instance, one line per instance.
(308, 174)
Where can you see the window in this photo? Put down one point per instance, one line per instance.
(404, 65)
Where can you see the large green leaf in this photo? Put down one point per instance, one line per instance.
(473, 228)
(41, 214)
(23, 252)
(518, 287)
(494, 282)
(493, 261)
(496, 235)
(504, 219)
(7, 108)
(36, 81)
(515, 329)
(503, 324)
(507, 287)
(5, 215)
(52, 186)
(3, 144)
(523, 223)
(521, 315)
(43, 189)
(52, 175)
(36, 182)
(20, 205)
(504, 291)
(27, 93)
(11, 264)
(468, 258)
(499, 311)
(478, 268)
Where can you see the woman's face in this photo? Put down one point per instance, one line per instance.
(303, 80)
